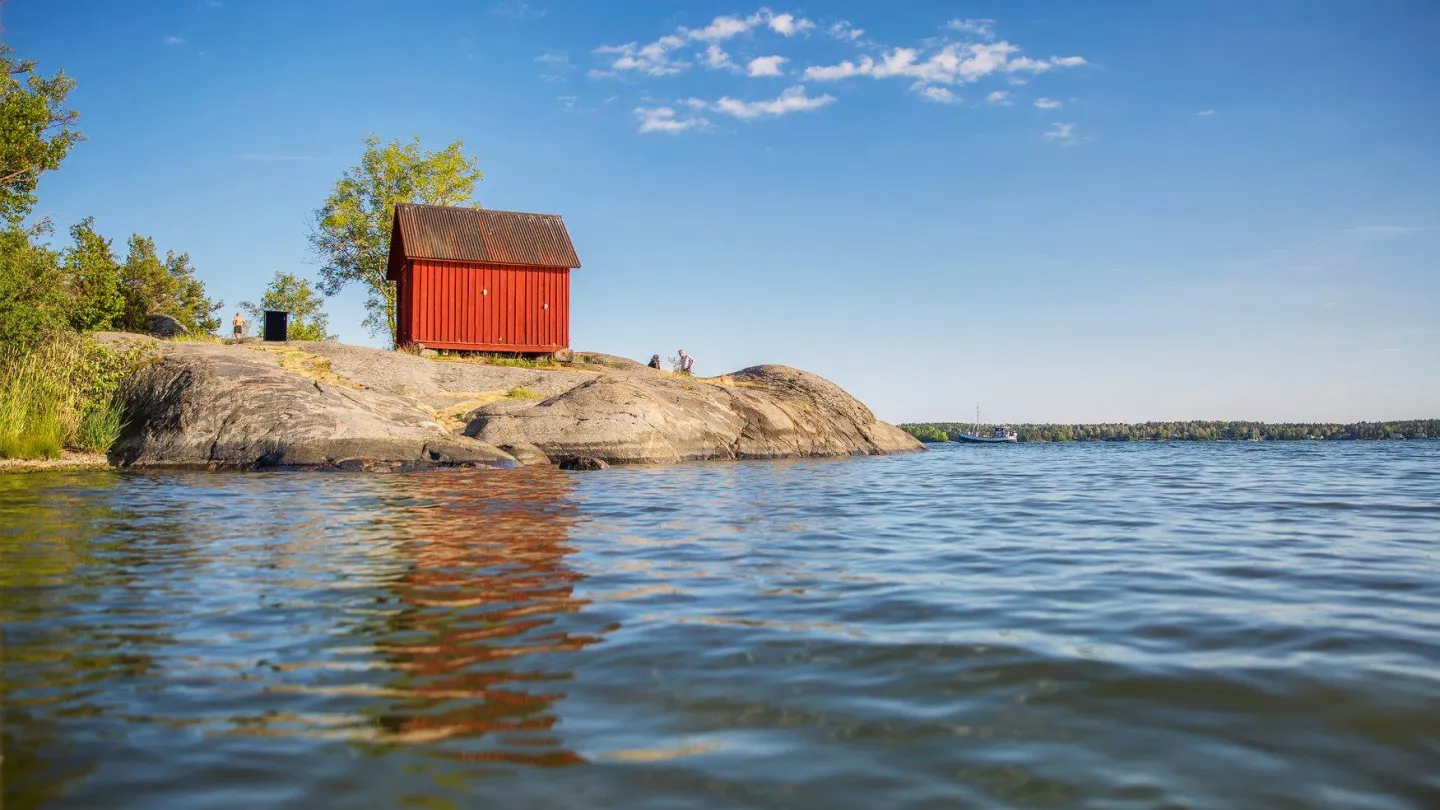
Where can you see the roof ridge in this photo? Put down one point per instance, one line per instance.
(479, 208)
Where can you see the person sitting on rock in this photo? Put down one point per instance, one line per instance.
(239, 326)
(686, 362)
(654, 361)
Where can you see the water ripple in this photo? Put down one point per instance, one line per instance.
(1116, 626)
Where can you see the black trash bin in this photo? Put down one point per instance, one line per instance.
(277, 325)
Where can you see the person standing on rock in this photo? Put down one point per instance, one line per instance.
(239, 324)
(686, 362)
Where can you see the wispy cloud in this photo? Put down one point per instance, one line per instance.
(517, 10)
(211, 3)
(572, 104)
(557, 66)
(953, 63)
(980, 28)
(935, 69)
(939, 95)
(766, 66)
(174, 40)
(658, 58)
(1205, 113)
(665, 120)
(267, 157)
(792, 100)
(1061, 133)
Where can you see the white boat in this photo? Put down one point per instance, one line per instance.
(1001, 435)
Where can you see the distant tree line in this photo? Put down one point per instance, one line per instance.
(1195, 431)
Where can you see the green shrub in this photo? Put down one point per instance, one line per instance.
(521, 392)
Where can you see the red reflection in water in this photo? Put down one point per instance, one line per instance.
(486, 600)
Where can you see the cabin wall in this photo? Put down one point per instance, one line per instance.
(484, 307)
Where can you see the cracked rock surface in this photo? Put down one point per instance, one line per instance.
(326, 404)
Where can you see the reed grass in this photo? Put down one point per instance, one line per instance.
(60, 394)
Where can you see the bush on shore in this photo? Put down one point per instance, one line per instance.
(59, 394)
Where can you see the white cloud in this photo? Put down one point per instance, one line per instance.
(792, 100)
(1048, 103)
(664, 119)
(787, 25)
(1068, 61)
(1062, 133)
(939, 95)
(843, 30)
(723, 28)
(981, 28)
(655, 58)
(766, 66)
(999, 97)
(174, 40)
(715, 57)
(955, 62)
(650, 60)
(1205, 112)
(844, 70)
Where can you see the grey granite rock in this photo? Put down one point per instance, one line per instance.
(327, 404)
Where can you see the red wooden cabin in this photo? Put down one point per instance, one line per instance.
(481, 280)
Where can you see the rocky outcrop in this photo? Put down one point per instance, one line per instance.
(165, 326)
(325, 404)
(638, 416)
(205, 405)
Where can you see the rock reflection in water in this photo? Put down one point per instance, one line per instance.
(484, 595)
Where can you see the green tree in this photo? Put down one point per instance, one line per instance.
(926, 433)
(36, 130)
(351, 231)
(33, 304)
(92, 279)
(168, 287)
(290, 293)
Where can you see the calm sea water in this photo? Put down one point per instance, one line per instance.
(1107, 626)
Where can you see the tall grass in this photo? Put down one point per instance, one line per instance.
(60, 394)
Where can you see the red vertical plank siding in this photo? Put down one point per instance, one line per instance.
(483, 307)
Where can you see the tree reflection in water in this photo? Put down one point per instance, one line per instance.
(487, 599)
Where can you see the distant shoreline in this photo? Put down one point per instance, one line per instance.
(936, 432)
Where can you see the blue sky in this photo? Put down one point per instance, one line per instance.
(1065, 211)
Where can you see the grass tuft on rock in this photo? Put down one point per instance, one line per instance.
(542, 362)
(521, 392)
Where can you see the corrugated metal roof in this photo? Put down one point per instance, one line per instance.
(479, 235)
